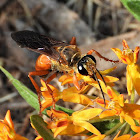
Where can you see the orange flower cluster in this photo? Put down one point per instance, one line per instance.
(69, 95)
(7, 131)
(80, 122)
(130, 57)
(83, 122)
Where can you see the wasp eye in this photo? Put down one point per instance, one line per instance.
(92, 57)
(81, 69)
(84, 63)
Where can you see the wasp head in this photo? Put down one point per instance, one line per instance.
(87, 66)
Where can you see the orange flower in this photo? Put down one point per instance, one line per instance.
(63, 124)
(117, 106)
(130, 57)
(135, 137)
(52, 95)
(127, 136)
(7, 131)
(123, 137)
(136, 129)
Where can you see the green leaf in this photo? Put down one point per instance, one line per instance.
(30, 97)
(105, 126)
(133, 6)
(41, 127)
(66, 110)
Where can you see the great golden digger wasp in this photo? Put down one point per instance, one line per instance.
(58, 56)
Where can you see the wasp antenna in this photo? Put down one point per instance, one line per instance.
(100, 56)
(73, 41)
(99, 86)
(101, 76)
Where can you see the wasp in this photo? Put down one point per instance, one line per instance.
(58, 56)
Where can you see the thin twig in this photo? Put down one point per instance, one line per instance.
(8, 97)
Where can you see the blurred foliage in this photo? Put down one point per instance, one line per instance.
(133, 6)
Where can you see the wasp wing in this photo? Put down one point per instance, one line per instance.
(38, 43)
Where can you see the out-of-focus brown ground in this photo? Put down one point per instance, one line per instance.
(100, 25)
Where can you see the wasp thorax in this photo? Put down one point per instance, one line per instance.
(86, 66)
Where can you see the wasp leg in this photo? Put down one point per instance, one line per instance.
(51, 78)
(38, 73)
(99, 55)
(49, 89)
(51, 93)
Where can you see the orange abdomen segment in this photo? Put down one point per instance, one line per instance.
(43, 63)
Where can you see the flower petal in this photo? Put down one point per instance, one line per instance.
(129, 120)
(43, 83)
(135, 128)
(8, 120)
(77, 98)
(86, 114)
(108, 113)
(72, 130)
(123, 137)
(112, 94)
(88, 127)
(135, 137)
(134, 73)
(59, 114)
(124, 58)
(107, 71)
(45, 104)
(101, 102)
(118, 52)
(132, 110)
(68, 80)
(125, 45)
(59, 130)
(130, 86)
(136, 54)
(63, 78)
(61, 123)
(110, 79)
(121, 100)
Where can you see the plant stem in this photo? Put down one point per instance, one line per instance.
(127, 129)
(113, 129)
(97, 119)
(132, 96)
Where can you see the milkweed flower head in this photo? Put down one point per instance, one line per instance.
(7, 131)
(51, 95)
(117, 106)
(86, 122)
(130, 57)
(63, 124)
(81, 122)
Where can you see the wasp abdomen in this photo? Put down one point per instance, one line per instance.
(43, 63)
